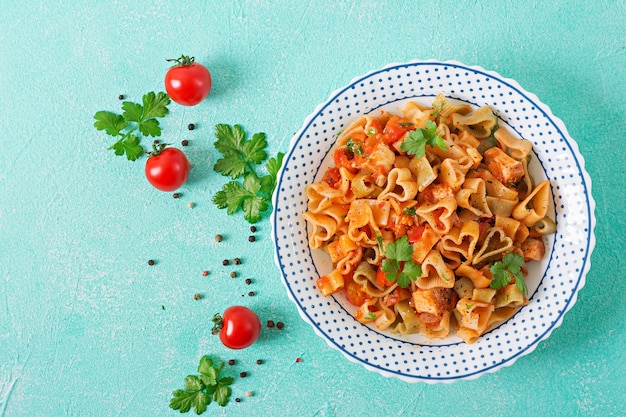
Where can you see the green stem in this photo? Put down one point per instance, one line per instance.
(252, 171)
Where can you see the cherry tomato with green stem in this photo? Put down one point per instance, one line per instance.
(238, 328)
(187, 82)
(166, 168)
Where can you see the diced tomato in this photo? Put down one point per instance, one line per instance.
(415, 233)
(332, 176)
(354, 292)
(395, 128)
(381, 278)
(346, 159)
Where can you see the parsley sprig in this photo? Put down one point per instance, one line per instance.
(398, 265)
(416, 141)
(240, 159)
(201, 389)
(135, 116)
(504, 271)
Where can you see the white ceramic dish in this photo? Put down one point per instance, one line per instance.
(553, 284)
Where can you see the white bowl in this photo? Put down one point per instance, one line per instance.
(553, 283)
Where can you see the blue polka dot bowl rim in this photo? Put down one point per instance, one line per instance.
(553, 283)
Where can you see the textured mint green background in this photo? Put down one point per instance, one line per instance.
(82, 328)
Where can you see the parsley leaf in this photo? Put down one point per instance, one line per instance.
(416, 141)
(504, 271)
(134, 117)
(237, 151)
(240, 156)
(199, 390)
(400, 250)
(398, 265)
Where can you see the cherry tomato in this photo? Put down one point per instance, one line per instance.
(167, 168)
(187, 83)
(238, 328)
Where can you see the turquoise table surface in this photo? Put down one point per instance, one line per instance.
(88, 328)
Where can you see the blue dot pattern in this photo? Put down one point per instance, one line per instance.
(553, 283)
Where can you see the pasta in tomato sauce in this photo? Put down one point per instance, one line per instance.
(429, 217)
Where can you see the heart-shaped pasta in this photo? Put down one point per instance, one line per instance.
(400, 185)
(517, 148)
(478, 123)
(535, 206)
(365, 218)
(423, 172)
(513, 228)
(324, 228)
(440, 215)
(435, 273)
(462, 240)
(473, 197)
(495, 245)
(446, 108)
(451, 173)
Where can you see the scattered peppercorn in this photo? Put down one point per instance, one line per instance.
(190, 205)
(253, 229)
(233, 274)
(243, 374)
(197, 296)
(205, 273)
(251, 238)
(238, 399)
(270, 323)
(280, 325)
(259, 361)
(298, 359)
(248, 281)
(251, 293)
(176, 195)
(231, 361)
(249, 394)
(184, 142)
(191, 126)
(156, 141)
(225, 262)
(121, 96)
(237, 261)
(219, 238)
(151, 262)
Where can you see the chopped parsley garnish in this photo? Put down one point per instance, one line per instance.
(240, 157)
(437, 108)
(371, 131)
(201, 389)
(504, 271)
(398, 265)
(354, 147)
(142, 117)
(410, 211)
(370, 316)
(416, 141)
